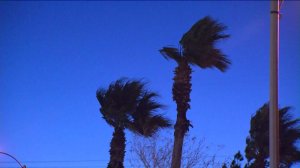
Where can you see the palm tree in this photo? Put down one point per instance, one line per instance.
(257, 149)
(127, 104)
(197, 47)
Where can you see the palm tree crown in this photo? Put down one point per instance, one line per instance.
(257, 149)
(198, 45)
(127, 104)
(119, 101)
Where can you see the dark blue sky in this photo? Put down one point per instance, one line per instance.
(54, 55)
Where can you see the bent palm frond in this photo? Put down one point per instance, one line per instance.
(171, 53)
(199, 44)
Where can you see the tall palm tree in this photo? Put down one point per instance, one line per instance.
(257, 149)
(124, 105)
(197, 47)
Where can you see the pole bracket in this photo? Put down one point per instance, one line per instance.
(277, 12)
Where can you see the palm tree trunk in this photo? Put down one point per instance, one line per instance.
(117, 149)
(181, 95)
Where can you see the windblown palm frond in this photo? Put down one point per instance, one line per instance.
(154, 123)
(171, 53)
(204, 32)
(290, 133)
(146, 122)
(199, 44)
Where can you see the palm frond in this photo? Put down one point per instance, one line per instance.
(100, 94)
(171, 53)
(148, 125)
(147, 104)
(154, 124)
(291, 124)
(199, 44)
(146, 122)
(206, 31)
(212, 58)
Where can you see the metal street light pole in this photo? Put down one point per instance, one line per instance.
(13, 158)
(274, 113)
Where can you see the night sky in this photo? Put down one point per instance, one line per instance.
(54, 56)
